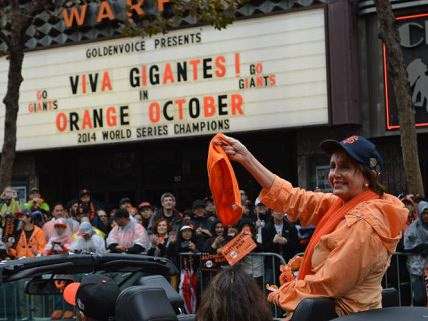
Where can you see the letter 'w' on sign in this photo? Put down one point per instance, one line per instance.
(239, 247)
(77, 14)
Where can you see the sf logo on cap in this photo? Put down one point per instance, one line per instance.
(350, 140)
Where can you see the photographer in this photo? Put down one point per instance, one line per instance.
(9, 205)
(36, 203)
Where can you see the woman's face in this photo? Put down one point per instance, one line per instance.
(186, 234)
(162, 228)
(219, 229)
(345, 176)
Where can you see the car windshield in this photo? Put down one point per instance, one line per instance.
(16, 304)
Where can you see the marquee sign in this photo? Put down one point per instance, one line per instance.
(413, 31)
(257, 74)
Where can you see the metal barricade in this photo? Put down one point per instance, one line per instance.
(397, 276)
(16, 305)
(263, 267)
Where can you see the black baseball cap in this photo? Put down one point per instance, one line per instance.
(95, 296)
(359, 149)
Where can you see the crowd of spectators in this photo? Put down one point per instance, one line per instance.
(35, 228)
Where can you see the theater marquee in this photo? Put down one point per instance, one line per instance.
(259, 73)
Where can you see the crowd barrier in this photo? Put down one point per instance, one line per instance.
(264, 267)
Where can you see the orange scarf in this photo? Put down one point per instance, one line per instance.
(328, 223)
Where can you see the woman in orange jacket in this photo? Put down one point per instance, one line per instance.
(31, 240)
(358, 226)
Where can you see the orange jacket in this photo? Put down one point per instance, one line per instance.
(349, 263)
(31, 247)
(223, 184)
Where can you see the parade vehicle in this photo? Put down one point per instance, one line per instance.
(146, 293)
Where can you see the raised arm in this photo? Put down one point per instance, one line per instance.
(278, 194)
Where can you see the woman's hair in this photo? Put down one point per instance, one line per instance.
(233, 296)
(373, 179)
(155, 225)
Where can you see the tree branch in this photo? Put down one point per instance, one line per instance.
(5, 38)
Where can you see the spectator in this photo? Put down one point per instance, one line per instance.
(59, 242)
(410, 204)
(233, 296)
(262, 218)
(38, 219)
(416, 242)
(31, 239)
(8, 204)
(57, 213)
(169, 212)
(218, 239)
(163, 240)
(201, 223)
(73, 210)
(35, 202)
(210, 207)
(280, 236)
(186, 240)
(127, 236)
(102, 222)
(88, 241)
(125, 203)
(146, 211)
(86, 207)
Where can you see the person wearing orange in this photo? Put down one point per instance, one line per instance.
(31, 240)
(358, 226)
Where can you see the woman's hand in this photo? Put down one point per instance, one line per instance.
(234, 149)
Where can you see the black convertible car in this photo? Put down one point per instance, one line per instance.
(29, 290)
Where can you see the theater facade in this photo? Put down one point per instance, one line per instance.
(134, 116)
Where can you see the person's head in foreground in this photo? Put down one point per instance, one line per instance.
(94, 297)
(355, 166)
(233, 296)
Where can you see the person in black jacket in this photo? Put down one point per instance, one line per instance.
(279, 236)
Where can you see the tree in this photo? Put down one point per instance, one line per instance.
(400, 83)
(17, 16)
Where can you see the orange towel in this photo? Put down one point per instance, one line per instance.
(223, 184)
